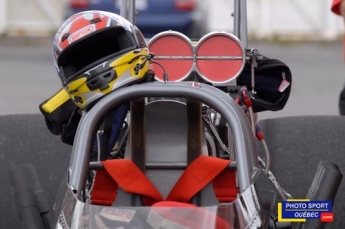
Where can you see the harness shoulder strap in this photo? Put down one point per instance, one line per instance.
(104, 189)
(197, 175)
(132, 180)
(225, 187)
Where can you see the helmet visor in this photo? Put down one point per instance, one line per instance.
(93, 50)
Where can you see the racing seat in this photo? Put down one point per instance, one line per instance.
(156, 162)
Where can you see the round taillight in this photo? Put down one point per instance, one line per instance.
(174, 51)
(220, 57)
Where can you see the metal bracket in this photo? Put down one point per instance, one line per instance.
(253, 55)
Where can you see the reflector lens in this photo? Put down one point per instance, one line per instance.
(174, 52)
(219, 58)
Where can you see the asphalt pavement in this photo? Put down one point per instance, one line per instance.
(27, 73)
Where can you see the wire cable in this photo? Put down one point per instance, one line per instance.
(165, 74)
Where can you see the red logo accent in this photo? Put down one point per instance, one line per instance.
(327, 217)
(81, 33)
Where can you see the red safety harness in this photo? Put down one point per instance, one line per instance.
(203, 170)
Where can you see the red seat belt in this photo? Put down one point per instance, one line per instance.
(225, 187)
(197, 175)
(104, 189)
(131, 179)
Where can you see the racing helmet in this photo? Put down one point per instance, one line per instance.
(96, 52)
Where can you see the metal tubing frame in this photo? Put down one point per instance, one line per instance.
(128, 10)
(131, 11)
(226, 106)
(240, 21)
(124, 9)
(246, 128)
(236, 16)
(159, 166)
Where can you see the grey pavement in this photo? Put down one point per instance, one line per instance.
(317, 76)
(28, 75)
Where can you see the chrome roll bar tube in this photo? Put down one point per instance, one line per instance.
(246, 155)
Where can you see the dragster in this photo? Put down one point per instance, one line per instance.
(187, 155)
